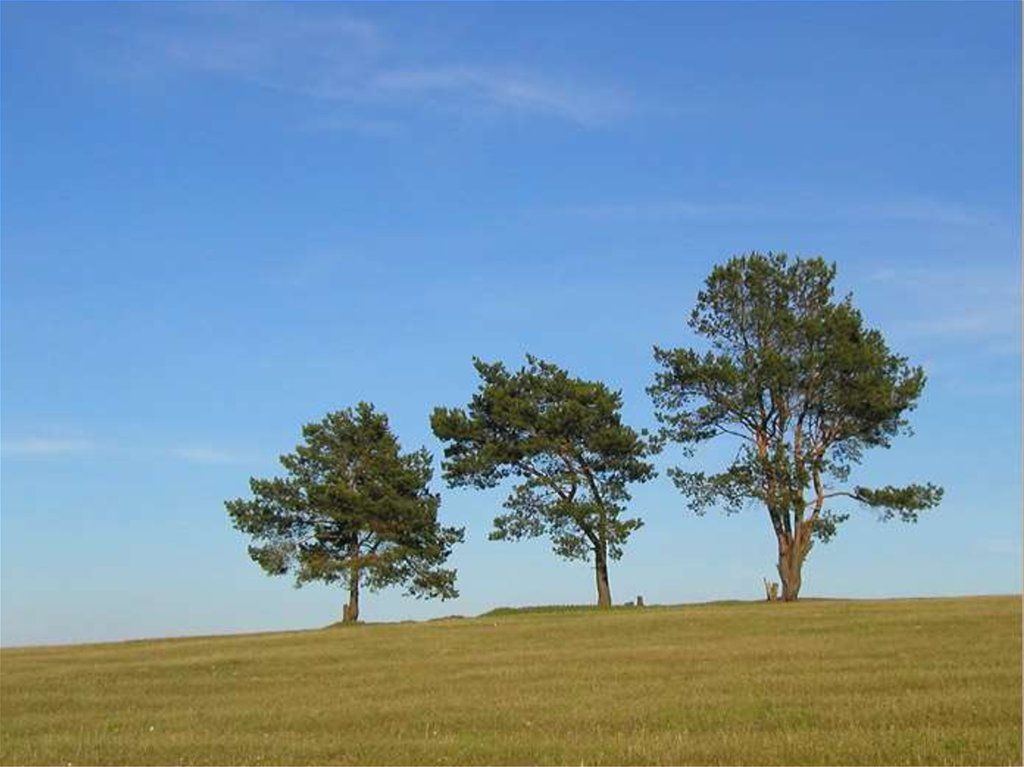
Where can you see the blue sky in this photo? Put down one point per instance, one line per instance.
(221, 221)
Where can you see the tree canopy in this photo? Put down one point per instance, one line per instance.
(795, 376)
(563, 440)
(354, 509)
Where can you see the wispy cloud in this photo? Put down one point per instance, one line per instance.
(47, 446)
(960, 305)
(505, 89)
(207, 455)
(885, 274)
(665, 210)
(339, 61)
(273, 46)
(998, 546)
(970, 324)
(42, 447)
(924, 211)
(348, 123)
(911, 210)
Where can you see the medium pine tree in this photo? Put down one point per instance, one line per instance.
(563, 439)
(352, 509)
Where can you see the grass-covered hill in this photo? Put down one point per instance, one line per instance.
(934, 681)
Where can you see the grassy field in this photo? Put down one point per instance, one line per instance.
(819, 682)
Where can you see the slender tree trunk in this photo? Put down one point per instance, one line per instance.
(604, 592)
(350, 612)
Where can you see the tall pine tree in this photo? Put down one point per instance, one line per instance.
(802, 386)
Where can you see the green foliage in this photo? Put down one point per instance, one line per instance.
(563, 439)
(903, 501)
(352, 506)
(804, 386)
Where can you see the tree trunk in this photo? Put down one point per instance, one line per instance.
(350, 613)
(792, 553)
(604, 592)
(789, 572)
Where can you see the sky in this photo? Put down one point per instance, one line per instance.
(220, 222)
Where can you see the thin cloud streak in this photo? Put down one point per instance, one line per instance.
(43, 447)
(46, 446)
(665, 210)
(933, 212)
(519, 92)
(344, 60)
(994, 323)
(924, 211)
(205, 455)
(956, 305)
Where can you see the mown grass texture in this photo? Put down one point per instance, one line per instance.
(933, 681)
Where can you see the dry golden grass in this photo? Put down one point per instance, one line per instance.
(817, 682)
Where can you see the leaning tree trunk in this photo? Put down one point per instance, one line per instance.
(792, 553)
(604, 592)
